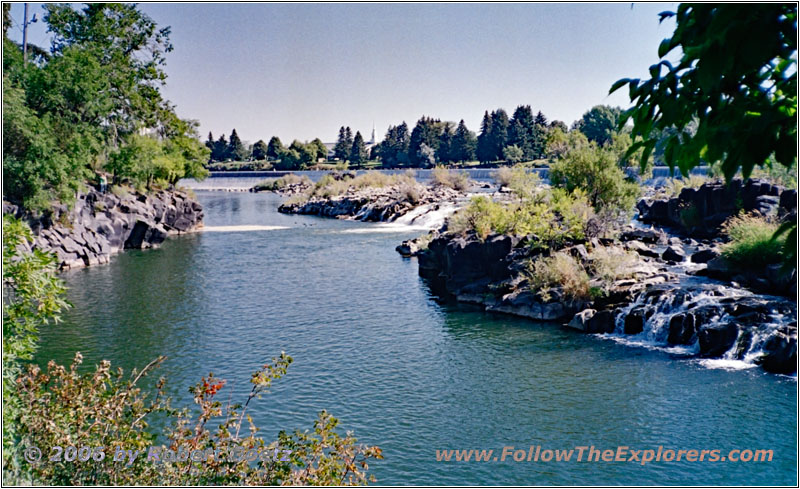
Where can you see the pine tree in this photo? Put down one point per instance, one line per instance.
(427, 132)
(464, 143)
(220, 152)
(539, 137)
(499, 139)
(484, 148)
(342, 150)
(445, 152)
(358, 152)
(393, 150)
(522, 131)
(236, 149)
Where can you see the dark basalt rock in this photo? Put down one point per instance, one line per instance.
(100, 225)
(717, 338)
(780, 354)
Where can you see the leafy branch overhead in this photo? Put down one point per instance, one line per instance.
(736, 79)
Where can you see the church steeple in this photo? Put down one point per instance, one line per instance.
(372, 141)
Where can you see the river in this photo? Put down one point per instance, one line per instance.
(373, 347)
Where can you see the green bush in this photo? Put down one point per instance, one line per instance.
(551, 219)
(752, 244)
(559, 271)
(594, 170)
(275, 184)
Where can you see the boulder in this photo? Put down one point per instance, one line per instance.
(780, 354)
(674, 254)
(581, 320)
(634, 322)
(602, 322)
(641, 249)
(704, 256)
(681, 329)
(717, 338)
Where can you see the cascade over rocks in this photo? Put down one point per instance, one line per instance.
(100, 225)
(374, 204)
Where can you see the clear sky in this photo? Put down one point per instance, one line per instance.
(300, 71)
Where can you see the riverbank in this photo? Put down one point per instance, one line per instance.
(99, 225)
(651, 286)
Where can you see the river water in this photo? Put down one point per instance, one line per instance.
(373, 347)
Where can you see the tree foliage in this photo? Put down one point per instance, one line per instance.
(736, 80)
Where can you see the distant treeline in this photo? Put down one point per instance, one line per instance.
(522, 137)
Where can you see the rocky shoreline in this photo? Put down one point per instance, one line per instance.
(100, 225)
(375, 204)
(678, 294)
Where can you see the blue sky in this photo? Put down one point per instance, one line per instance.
(300, 71)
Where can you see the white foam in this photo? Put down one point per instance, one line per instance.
(726, 364)
(241, 228)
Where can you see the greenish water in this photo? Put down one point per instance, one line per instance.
(404, 372)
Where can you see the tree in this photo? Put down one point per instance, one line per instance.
(444, 153)
(274, 148)
(358, 152)
(485, 151)
(599, 123)
(427, 132)
(319, 148)
(559, 124)
(260, 150)
(499, 133)
(236, 149)
(513, 154)
(522, 131)
(344, 144)
(464, 143)
(742, 96)
(393, 150)
(33, 296)
(220, 151)
(210, 144)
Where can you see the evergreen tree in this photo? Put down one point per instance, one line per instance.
(539, 137)
(499, 139)
(274, 148)
(260, 150)
(464, 143)
(484, 147)
(210, 141)
(341, 150)
(393, 150)
(236, 149)
(522, 133)
(540, 119)
(220, 152)
(426, 132)
(358, 152)
(445, 151)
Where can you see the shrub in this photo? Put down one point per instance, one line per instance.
(559, 271)
(275, 184)
(329, 186)
(609, 264)
(751, 243)
(513, 154)
(456, 180)
(594, 170)
(33, 296)
(551, 219)
(64, 408)
(522, 182)
(673, 186)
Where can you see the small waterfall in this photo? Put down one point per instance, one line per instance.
(672, 319)
(428, 216)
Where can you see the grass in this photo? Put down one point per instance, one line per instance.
(609, 264)
(331, 186)
(751, 244)
(457, 180)
(559, 270)
(274, 184)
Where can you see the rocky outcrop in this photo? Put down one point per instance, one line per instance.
(99, 225)
(372, 203)
(701, 211)
(721, 321)
(660, 304)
